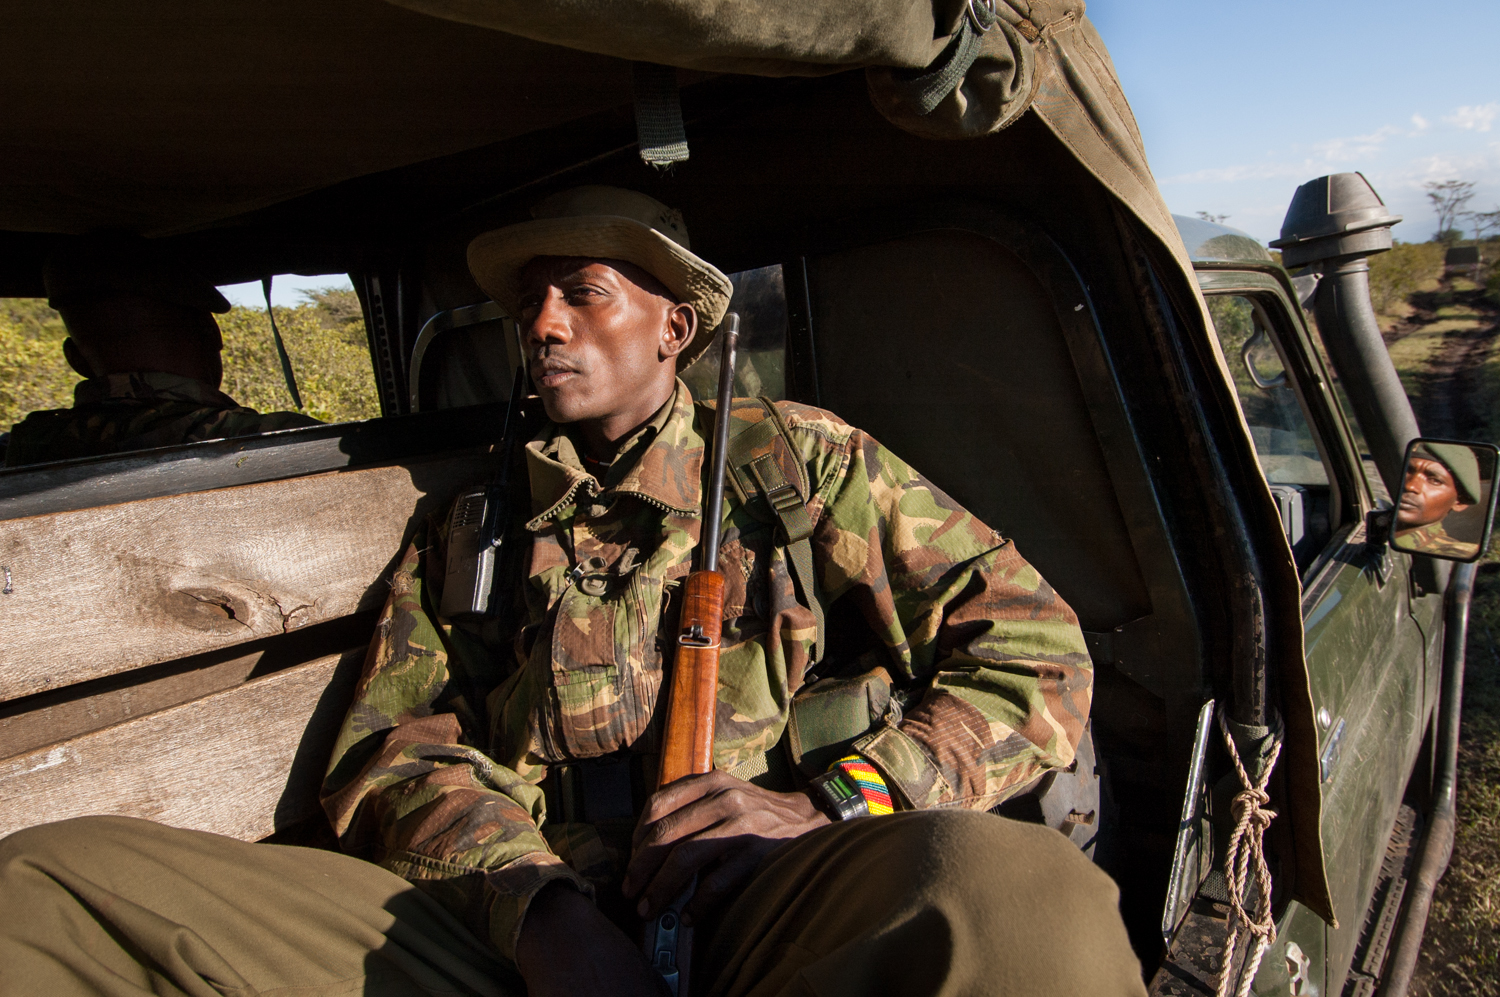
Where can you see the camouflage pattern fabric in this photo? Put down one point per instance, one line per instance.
(1434, 539)
(438, 769)
(138, 411)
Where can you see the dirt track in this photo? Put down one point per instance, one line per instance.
(1451, 399)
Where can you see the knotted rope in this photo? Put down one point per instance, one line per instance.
(1246, 854)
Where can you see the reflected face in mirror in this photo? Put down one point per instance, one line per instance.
(1428, 494)
(1444, 508)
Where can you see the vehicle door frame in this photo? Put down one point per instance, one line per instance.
(1347, 560)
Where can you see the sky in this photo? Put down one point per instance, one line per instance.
(285, 290)
(1240, 102)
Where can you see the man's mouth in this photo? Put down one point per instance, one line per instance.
(550, 372)
(1409, 503)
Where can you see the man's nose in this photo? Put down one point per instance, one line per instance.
(550, 325)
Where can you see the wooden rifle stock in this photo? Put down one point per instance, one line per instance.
(693, 698)
(688, 744)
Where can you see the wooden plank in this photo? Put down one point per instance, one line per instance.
(96, 592)
(49, 717)
(241, 762)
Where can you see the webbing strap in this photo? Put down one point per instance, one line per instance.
(286, 361)
(658, 115)
(926, 88)
(785, 498)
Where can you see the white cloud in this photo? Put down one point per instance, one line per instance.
(1356, 147)
(1477, 118)
(1420, 122)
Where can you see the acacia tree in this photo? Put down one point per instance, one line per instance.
(1448, 198)
(1485, 223)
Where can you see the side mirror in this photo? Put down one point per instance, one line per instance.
(1447, 501)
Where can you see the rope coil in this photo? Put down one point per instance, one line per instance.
(1245, 856)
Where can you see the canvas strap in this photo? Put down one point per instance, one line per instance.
(658, 115)
(281, 354)
(926, 88)
(760, 455)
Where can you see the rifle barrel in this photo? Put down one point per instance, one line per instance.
(715, 503)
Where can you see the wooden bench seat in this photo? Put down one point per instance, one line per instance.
(157, 657)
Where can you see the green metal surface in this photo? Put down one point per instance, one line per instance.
(1372, 651)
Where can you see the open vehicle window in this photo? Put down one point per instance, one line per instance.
(326, 342)
(760, 368)
(326, 345)
(1285, 442)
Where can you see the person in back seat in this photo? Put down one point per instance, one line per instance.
(143, 335)
(495, 776)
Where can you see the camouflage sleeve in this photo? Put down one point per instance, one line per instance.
(408, 790)
(991, 658)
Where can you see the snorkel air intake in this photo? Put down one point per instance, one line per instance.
(1334, 225)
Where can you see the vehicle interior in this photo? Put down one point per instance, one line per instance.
(976, 306)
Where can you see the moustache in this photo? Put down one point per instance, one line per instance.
(547, 361)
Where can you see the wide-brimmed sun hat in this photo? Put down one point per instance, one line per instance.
(612, 224)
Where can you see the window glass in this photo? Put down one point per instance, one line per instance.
(1284, 441)
(760, 367)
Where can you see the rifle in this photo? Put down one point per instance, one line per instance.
(688, 741)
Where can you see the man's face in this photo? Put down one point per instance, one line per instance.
(602, 337)
(1427, 495)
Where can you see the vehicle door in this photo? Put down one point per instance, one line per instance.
(1364, 651)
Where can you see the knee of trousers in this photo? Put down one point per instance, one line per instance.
(965, 860)
(65, 842)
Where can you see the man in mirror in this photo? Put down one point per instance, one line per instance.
(1440, 478)
(142, 333)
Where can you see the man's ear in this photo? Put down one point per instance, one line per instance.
(681, 327)
(74, 355)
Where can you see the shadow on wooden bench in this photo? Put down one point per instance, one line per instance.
(188, 657)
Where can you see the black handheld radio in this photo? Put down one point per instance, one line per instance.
(476, 530)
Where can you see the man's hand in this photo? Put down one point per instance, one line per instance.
(715, 825)
(567, 948)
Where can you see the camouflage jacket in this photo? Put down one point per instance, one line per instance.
(437, 773)
(138, 411)
(1434, 539)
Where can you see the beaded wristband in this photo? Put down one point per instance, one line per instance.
(869, 783)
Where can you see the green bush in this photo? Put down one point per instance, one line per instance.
(330, 356)
(33, 374)
(325, 338)
(1396, 274)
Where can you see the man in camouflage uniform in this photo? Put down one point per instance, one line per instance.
(503, 768)
(143, 335)
(1441, 478)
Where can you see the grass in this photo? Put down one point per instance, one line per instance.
(1461, 950)
(1415, 351)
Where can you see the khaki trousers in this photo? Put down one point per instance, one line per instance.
(945, 902)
